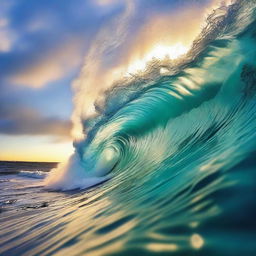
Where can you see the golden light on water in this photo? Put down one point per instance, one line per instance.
(162, 247)
(159, 52)
(196, 241)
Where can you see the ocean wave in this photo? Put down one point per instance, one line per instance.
(217, 77)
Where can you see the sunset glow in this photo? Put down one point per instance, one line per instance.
(159, 52)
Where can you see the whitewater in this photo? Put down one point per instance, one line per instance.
(166, 163)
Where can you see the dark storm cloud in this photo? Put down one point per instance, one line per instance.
(21, 120)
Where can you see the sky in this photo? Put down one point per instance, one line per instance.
(46, 46)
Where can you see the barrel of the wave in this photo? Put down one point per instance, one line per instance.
(107, 160)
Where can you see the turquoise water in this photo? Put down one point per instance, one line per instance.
(168, 165)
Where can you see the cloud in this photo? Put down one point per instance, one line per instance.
(49, 68)
(43, 41)
(46, 40)
(5, 36)
(105, 2)
(5, 42)
(37, 38)
(21, 120)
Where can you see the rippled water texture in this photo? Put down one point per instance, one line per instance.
(167, 167)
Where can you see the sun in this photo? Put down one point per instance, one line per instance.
(159, 52)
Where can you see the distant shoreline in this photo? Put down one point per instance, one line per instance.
(14, 161)
(12, 167)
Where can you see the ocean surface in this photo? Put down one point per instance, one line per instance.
(167, 166)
